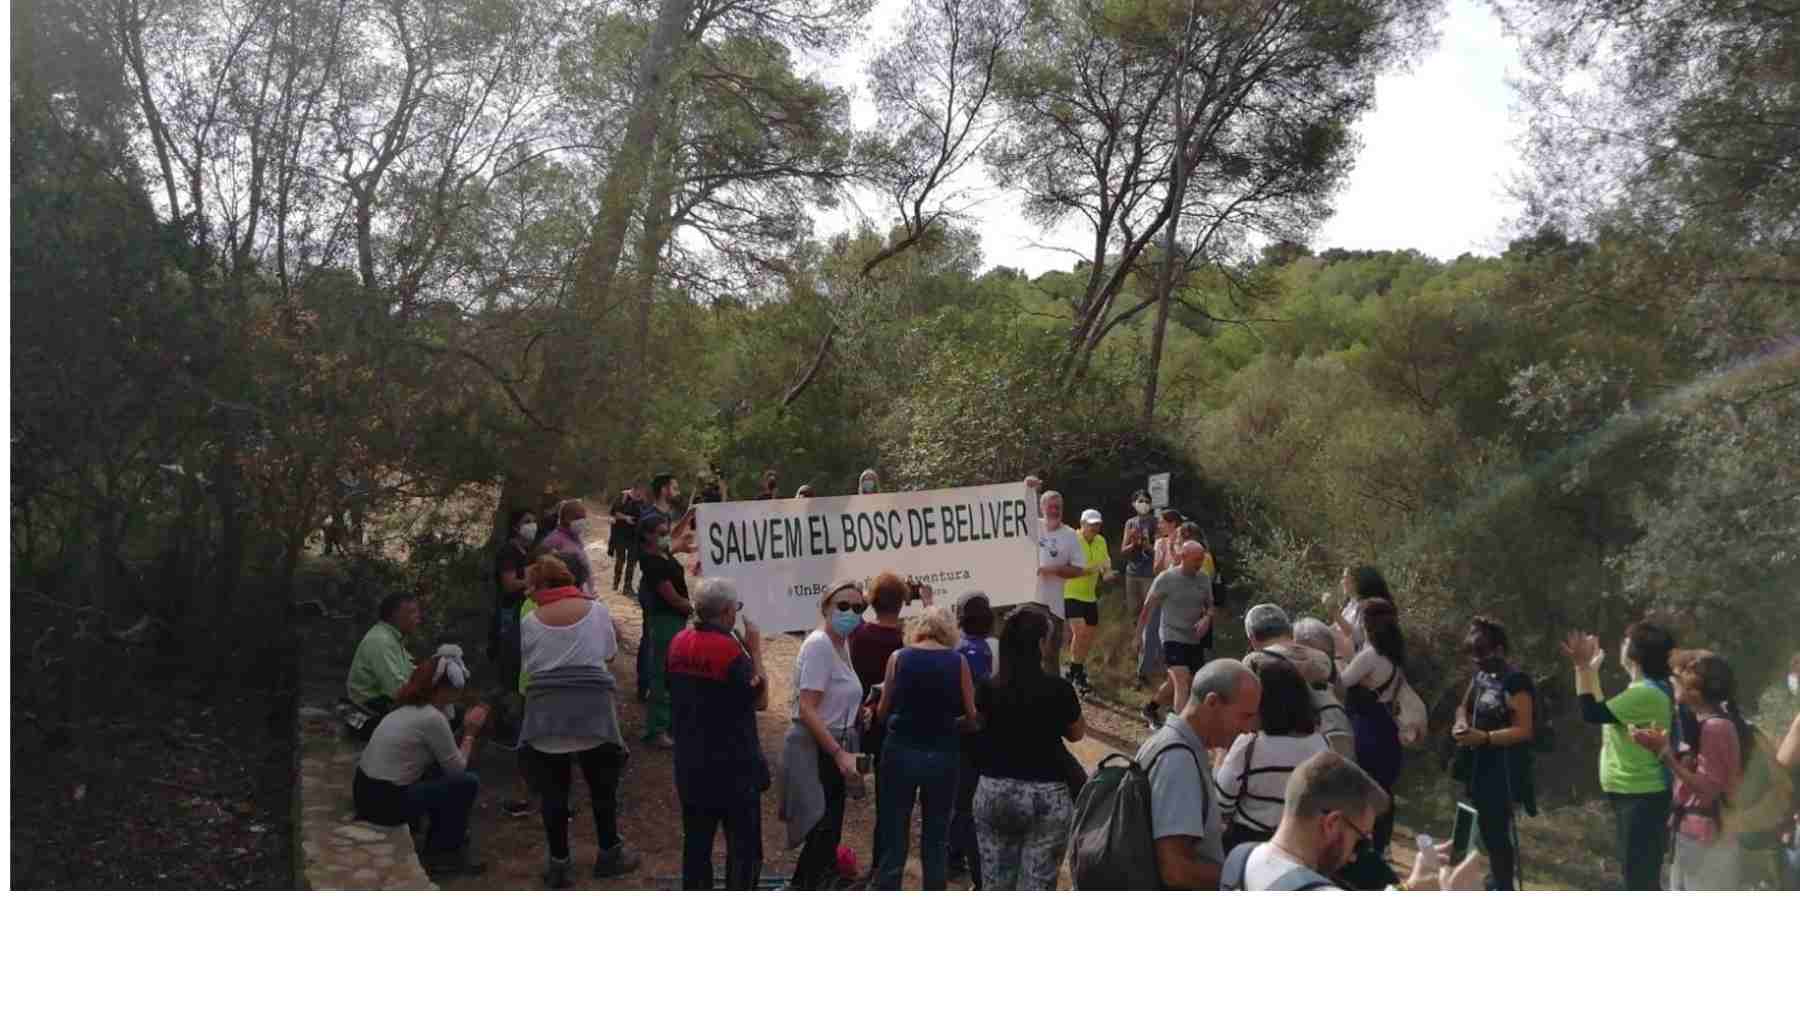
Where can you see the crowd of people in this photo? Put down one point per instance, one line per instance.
(1276, 771)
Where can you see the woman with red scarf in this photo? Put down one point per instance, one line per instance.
(570, 717)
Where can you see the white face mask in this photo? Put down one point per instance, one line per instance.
(1143, 509)
(528, 531)
(579, 525)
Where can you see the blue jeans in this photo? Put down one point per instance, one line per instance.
(928, 775)
(448, 799)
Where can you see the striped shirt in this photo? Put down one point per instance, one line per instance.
(1253, 779)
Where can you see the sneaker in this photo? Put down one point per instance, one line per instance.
(1152, 716)
(556, 874)
(516, 807)
(615, 861)
(661, 740)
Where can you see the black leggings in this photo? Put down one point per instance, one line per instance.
(1491, 796)
(552, 774)
(818, 857)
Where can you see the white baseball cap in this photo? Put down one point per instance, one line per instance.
(1090, 516)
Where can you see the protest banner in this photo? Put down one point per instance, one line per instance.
(783, 554)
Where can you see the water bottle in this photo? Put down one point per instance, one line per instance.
(1428, 856)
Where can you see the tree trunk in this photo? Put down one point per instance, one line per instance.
(1166, 281)
(569, 350)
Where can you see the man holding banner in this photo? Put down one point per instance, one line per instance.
(1061, 558)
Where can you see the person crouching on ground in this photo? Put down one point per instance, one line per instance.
(819, 754)
(393, 782)
(1327, 817)
(570, 717)
(718, 685)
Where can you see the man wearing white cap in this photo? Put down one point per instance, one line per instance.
(1061, 558)
(1081, 596)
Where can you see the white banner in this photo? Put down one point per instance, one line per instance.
(784, 553)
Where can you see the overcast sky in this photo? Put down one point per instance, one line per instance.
(1437, 151)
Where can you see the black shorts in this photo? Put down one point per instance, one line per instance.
(1086, 611)
(1179, 655)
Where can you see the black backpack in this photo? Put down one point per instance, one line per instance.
(1111, 845)
(1300, 879)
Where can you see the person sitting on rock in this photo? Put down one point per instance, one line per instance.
(381, 664)
(413, 766)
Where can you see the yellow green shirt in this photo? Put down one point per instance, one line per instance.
(1627, 768)
(1088, 588)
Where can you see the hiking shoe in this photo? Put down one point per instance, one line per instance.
(1151, 716)
(516, 807)
(556, 874)
(615, 861)
(660, 740)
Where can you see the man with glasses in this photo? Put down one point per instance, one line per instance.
(1327, 822)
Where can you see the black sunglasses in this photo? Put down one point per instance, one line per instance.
(850, 606)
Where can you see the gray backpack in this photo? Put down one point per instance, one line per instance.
(1232, 878)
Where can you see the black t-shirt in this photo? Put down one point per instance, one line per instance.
(622, 532)
(1022, 729)
(1489, 704)
(510, 559)
(657, 569)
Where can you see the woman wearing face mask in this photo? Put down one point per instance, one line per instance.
(869, 482)
(391, 784)
(663, 595)
(570, 537)
(1707, 854)
(820, 752)
(1634, 780)
(1494, 728)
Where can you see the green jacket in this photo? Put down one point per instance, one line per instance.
(381, 665)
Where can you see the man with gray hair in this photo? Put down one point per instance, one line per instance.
(1185, 819)
(716, 686)
(1269, 631)
(1061, 558)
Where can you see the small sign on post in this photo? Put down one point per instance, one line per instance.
(1159, 491)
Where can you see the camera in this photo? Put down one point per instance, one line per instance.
(914, 590)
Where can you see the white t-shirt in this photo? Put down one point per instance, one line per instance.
(824, 668)
(1370, 667)
(589, 642)
(1257, 800)
(1061, 547)
(1269, 863)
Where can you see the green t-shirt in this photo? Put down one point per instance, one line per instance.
(381, 665)
(1088, 588)
(1627, 768)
